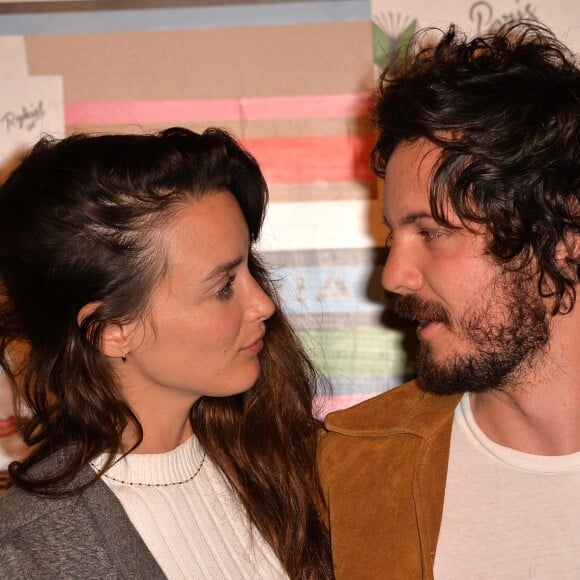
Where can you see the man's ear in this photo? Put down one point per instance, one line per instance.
(568, 252)
(114, 341)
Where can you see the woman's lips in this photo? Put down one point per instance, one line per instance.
(255, 347)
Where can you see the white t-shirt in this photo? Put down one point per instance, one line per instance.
(195, 527)
(507, 515)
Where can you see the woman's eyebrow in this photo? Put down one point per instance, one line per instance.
(223, 269)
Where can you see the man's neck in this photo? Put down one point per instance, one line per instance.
(540, 412)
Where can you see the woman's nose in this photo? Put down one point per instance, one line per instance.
(262, 306)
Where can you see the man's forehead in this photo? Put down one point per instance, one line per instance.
(407, 181)
(420, 155)
(407, 184)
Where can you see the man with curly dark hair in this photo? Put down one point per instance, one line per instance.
(472, 470)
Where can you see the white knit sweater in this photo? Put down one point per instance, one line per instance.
(194, 527)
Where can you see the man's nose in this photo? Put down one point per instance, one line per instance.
(400, 273)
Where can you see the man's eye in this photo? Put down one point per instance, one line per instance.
(429, 235)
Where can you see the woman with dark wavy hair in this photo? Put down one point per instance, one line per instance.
(168, 404)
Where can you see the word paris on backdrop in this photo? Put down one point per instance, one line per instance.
(484, 15)
(395, 21)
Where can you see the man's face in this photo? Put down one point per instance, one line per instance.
(480, 326)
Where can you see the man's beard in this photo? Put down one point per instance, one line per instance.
(504, 333)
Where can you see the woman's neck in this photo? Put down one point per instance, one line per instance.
(159, 436)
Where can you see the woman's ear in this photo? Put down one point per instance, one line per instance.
(114, 340)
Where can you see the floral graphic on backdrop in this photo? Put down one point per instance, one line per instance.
(391, 33)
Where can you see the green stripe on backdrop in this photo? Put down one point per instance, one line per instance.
(359, 352)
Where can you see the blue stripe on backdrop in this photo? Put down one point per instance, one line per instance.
(329, 282)
(331, 289)
(336, 303)
(185, 18)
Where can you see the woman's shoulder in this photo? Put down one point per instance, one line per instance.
(20, 509)
(38, 535)
(43, 537)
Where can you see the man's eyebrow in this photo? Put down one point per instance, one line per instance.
(223, 269)
(410, 218)
(414, 217)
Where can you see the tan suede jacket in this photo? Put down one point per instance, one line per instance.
(383, 466)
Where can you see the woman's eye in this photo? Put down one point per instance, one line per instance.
(227, 291)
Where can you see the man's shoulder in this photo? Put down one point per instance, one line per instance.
(403, 409)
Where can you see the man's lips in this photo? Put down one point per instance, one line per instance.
(420, 311)
(423, 323)
(425, 327)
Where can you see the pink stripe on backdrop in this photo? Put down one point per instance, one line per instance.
(335, 158)
(7, 426)
(212, 110)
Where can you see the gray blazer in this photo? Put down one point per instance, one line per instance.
(88, 536)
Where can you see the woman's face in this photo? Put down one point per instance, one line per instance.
(205, 325)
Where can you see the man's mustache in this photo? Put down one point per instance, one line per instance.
(414, 308)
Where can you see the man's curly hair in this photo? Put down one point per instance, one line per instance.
(504, 109)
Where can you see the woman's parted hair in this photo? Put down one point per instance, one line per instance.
(78, 218)
(505, 110)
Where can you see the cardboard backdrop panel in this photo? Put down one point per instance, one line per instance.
(297, 96)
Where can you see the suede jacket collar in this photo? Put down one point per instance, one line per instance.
(404, 410)
(383, 466)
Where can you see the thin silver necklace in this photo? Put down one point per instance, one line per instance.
(137, 483)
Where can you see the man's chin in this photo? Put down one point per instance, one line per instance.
(438, 387)
(450, 377)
